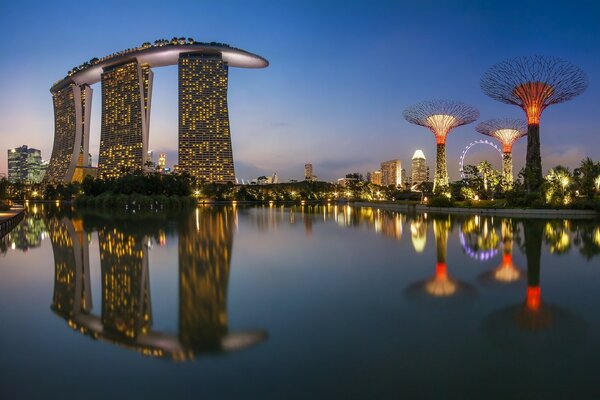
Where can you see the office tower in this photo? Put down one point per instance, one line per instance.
(419, 169)
(204, 137)
(391, 173)
(374, 177)
(126, 97)
(308, 172)
(72, 113)
(25, 165)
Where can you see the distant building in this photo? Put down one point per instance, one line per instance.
(25, 164)
(419, 169)
(391, 173)
(374, 177)
(265, 180)
(162, 161)
(345, 182)
(308, 173)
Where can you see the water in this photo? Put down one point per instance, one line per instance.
(301, 302)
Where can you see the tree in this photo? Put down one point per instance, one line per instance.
(558, 186)
(585, 177)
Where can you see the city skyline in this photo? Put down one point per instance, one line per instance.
(324, 111)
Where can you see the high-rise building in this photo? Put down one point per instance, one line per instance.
(308, 172)
(419, 168)
(25, 164)
(204, 137)
(72, 112)
(374, 177)
(126, 97)
(391, 173)
(162, 161)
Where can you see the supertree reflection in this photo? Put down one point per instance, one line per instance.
(441, 285)
(507, 271)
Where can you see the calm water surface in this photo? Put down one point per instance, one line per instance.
(301, 302)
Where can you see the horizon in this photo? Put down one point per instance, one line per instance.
(339, 111)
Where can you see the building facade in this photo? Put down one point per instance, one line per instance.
(72, 111)
(308, 173)
(374, 177)
(419, 169)
(205, 150)
(126, 97)
(25, 165)
(391, 173)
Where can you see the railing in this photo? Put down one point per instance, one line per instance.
(8, 225)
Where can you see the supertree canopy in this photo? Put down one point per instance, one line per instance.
(441, 116)
(533, 83)
(506, 131)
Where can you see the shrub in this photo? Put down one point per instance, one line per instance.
(441, 201)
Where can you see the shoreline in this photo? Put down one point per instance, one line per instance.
(10, 219)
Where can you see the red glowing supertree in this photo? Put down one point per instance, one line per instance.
(507, 132)
(533, 83)
(441, 116)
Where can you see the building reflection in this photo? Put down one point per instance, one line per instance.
(28, 234)
(418, 233)
(205, 245)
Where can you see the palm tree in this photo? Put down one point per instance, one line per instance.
(586, 176)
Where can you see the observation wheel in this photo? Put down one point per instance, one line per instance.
(466, 150)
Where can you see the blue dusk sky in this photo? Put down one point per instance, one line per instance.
(341, 74)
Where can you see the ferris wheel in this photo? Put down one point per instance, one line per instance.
(474, 143)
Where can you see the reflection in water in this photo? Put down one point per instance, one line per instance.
(478, 238)
(28, 234)
(126, 318)
(418, 233)
(441, 285)
(533, 315)
(205, 243)
(557, 236)
(507, 271)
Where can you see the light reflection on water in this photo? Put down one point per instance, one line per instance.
(439, 272)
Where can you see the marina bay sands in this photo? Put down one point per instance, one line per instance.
(204, 137)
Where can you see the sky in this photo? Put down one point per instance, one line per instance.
(340, 75)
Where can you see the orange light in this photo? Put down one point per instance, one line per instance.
(441, 271)
(534, 297)
(534, 96)
(507, 258)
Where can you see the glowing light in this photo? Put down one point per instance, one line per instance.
(533, 300)
(441, 285)
(534, 96)
(440, 125)
(476, 198)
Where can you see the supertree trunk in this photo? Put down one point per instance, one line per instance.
(441, 170)
(533, 165)
(507, 171)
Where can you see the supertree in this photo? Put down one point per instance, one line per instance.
(507, 132)
(533, 83)
(441, 116)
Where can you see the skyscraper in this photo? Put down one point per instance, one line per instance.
(308, 172)
(204, 137)
(391, 173)
(419, 168)
(25, 164)
(126, 96)
(374, 177)
(72, 111)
